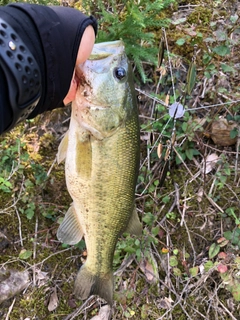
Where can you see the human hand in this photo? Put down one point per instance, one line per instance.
(84, 52)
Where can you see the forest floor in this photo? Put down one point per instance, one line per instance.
(186, 265)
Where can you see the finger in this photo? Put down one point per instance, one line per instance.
(86, 45)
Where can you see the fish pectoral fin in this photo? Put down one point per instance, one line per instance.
(62, 149)
(87, 284)
(134, 225)
(70, 230)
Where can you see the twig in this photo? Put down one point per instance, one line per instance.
(19, 226)
(6, 210)
(170, 64)
(52, 165)
(183, 216)
(170, 209)
(157, 140)
(152, 97)
(213, 203)
(179, 156)
(10, 309)
(125, 264)
(214, 181)
(13, 170)
(223, 306)
(51, 255)
(86, 305)
(237, 154)
(234, 193)
(34, 251)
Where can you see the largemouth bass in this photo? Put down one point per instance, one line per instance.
(101, 150)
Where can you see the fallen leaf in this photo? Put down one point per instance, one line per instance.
(41, 277)
(222, 242)
(104, 313)
(167, 99)
(53, 301)
(201, 268)
(210, 162)
(149, 267)
(200, 194)
(159, 150)
(190, 32)
(165, 303)
(221, 130)
(72, 303)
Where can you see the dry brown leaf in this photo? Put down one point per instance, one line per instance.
(53, 301)
(159, 150)
(200, 194)
(165, 303)
(41, 277)
(210, 162)
(220, 132)
(149, 267)
(167, 99)
(104, 313)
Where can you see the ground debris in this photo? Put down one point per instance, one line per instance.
(53, 301)
(104, 313)
(12, 282)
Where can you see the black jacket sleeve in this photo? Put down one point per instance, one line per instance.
(53, 35)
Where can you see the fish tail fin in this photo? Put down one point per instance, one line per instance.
(87, 284)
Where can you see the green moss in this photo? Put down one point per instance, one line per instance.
(200, 17)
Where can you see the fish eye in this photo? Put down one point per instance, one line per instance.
(120, 73)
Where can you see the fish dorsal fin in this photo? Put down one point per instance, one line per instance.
(134, 225)
(62, 148)
(70, 230)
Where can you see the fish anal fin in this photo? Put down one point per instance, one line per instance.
(70, 230)
(134, 225)
(87, 284)
(62, 149)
